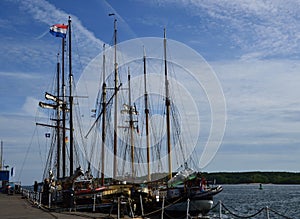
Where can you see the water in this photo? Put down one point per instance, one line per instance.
(246, 200)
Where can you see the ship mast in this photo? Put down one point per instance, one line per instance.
(70, 98)
(64, 107)
(116, 100)
(167, 103)
(147, 118)
(103, 118)
(131, 126)
(58, 122)
(1, 155)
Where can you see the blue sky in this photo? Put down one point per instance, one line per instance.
(253, 47)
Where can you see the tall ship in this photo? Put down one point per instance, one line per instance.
(133, 140)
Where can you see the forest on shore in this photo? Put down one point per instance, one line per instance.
(253, 177)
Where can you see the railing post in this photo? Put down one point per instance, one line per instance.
(162, 208)
(94, 203)
(188, 208)
(40, 199)
(130, 206)
(142, 207)
(220, 209)
(49, 204)
(267, 212)
(118, 216)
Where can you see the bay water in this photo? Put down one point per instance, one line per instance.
(283, 201)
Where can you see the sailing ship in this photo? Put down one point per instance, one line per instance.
(63, 186)
(148, 192)
(134, 176)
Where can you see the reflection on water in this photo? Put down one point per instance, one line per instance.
(245, 200)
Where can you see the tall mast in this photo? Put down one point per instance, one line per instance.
(167, 107)
(70, 97)
(64, 108)
(1, 155)
(103, 119)
(116, 101)
(58, 121)
(147, 118)
(131, 126)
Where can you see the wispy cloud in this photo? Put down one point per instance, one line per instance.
(19, 75)
(260, 28)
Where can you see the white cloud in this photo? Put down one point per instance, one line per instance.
(260, 28)
(262, 101)
(30, 104)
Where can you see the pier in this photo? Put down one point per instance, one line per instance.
(15, 207)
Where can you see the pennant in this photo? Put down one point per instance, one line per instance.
(59, 30)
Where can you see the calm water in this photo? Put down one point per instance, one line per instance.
(245, 200)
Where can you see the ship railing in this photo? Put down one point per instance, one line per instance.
(34, 197)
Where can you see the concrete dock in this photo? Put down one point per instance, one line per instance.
(16, 207)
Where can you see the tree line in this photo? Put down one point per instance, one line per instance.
(253, 177)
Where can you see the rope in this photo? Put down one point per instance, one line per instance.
(249, 216)
(279, 214)
(213, 207)
(158, 210)
(253, 215)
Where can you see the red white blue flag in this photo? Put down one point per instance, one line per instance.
(59, 30)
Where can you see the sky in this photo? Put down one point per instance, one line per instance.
(252, 46)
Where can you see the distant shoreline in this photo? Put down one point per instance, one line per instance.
(269, 177)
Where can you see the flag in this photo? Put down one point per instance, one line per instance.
(59, 30)
(12, 172)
